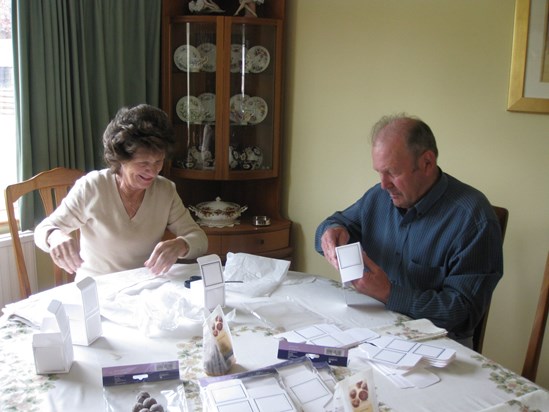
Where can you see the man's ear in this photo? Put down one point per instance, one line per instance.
(429, 162)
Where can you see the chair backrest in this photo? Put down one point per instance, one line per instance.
(53, 185)
(531, 362)
(480, 329)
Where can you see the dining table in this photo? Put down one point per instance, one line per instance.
(153, 319)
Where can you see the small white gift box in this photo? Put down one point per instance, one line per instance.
(85, 318)
(52, 346)
(212, 286)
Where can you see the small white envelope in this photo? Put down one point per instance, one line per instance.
(212, 278)
(349, 259)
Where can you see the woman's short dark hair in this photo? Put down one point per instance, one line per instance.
(139, 127)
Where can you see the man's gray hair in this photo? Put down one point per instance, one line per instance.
(420, 137)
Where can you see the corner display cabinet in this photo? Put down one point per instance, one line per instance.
(222, 89)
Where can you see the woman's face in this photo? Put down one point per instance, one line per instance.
(139, 172)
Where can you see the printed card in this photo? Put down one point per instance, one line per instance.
(349, 259)
(214, 284)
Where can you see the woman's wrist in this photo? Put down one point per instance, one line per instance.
(50, 232)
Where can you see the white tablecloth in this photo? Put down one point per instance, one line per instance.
(470, 383)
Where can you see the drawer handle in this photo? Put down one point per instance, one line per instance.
(261, 241)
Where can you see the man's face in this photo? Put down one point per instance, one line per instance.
(405, 177)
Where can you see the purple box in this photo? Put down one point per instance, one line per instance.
(330, 355)
(145, 372)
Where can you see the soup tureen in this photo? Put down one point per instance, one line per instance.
(218, 213)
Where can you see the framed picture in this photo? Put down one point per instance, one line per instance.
(529, 81)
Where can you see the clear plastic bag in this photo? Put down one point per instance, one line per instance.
(218, 345)
(169, 394)
(285, 314)
(167, 310)
(356, 393)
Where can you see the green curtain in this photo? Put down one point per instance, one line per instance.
(76, 62)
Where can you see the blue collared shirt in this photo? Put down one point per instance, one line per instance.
(443, 256)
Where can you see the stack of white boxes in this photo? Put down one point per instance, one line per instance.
(72, 323)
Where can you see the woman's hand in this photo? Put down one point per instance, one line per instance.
(64, 251)
(165, 254)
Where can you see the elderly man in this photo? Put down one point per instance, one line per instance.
(432, 245)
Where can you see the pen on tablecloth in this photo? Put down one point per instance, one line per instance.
(193, 278)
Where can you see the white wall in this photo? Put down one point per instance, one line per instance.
(351, 61)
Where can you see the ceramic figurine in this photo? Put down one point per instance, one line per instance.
(248, 6)
(204, 6)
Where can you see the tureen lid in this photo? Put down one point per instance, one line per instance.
(218, 204)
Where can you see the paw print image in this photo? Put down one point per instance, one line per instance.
(217, 326)
(145, 403)
(359, 397)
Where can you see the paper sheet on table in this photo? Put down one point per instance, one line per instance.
(252, 275)
(33, 310)
(416, 330)
(392, 348)
(328, 335)
(414, 378)
(394, 358)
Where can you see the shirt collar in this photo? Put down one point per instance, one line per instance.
(433, 195)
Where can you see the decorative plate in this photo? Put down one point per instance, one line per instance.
(238, 58)
(188, 58)
(208, 52)
(208, 104)
(239, 111)
(258, 109)
(190, 110)
(257, 59)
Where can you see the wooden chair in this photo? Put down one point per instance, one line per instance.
(53, 185)
(531, 362)
(480, 329)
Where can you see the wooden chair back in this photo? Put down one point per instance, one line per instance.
(53, 185)
(533, 353)
(480, 330)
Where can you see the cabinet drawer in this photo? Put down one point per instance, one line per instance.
(255, 242)
(214, 245)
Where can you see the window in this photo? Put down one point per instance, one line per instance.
(8, 154)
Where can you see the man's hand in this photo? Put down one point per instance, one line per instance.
(165, 254)
(374, 282)
(331, 238)
(64, 251)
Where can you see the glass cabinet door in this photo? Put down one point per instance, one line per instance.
(253, 98)
(194, 94)
(225, 97)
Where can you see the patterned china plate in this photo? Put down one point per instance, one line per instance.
(236, 58)
(258, 59)
(258, 107)
(188, 58)
(207, 50)
(239, 112)
(208, 104)
(190, 110)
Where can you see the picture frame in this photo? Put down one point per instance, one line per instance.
(530, 58)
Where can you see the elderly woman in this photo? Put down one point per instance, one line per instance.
(123, 211)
